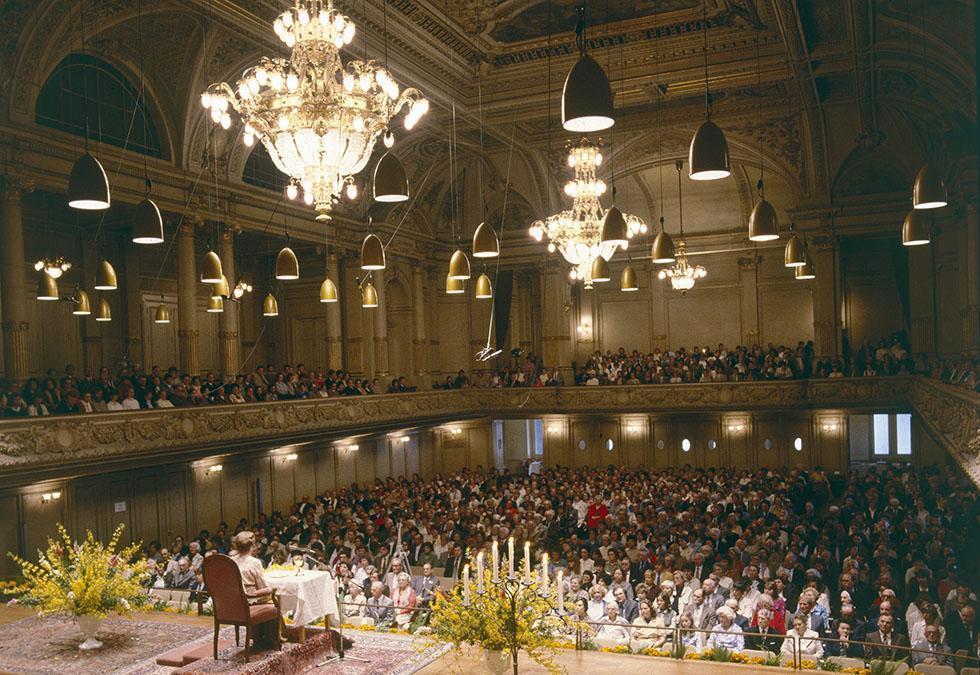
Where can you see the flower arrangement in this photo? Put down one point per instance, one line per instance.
(84, 578)
(653, 651)
(618, 649)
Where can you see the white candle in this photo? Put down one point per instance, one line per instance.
(527, 562)
(510, 557)
(466, 585)
(561, 593)
(496, 562)
(479, 573)
(544, 571)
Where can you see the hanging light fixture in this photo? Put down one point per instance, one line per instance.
(216, 305)
(147, 222)
(708, 156)
(316, 112)
(929, 191)
(270, 307)
(221, 289)
(483, 289)
(162, 315)
(587, 98)
(105, 312)
(614, 230)
(485, 244)
(454, 286)
(240, 289)
(211, 271)
(627, 281)
(459, 266)
(372, 253)
(328, 291)
(88, 187)
(390, 180)
(762, 220)
(600, 270)
(663, 246)
(47, 288)
(369, 296)
(793, 253)
(83, 306)
(105, 277)
(682, 274)
(915, 230)
(287, 266)
(805, 272)
(53, 267)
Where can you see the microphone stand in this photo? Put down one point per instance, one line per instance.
(341, 652)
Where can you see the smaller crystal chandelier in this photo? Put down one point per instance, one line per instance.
(682, 274)
(53, 267)
(241, 288)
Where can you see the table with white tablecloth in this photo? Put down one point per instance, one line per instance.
(309, 595)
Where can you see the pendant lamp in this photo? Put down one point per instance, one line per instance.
(147, 223)
(805, 271)
(708, 156)
(586, 99)
(83, 306)
(454, 286)
(600, 270)
(328, 291)
(88, 187)
(485, 244)
(459, 266)
(47, 288)
(614, 228)
(221, 290)
(793, 253)
(372, 253)
(287, 266)
(929, 191)
(663, 246)
(762, 221)
(105, 277)
(105, 312)
(269, 306)
(483, 289)
(216, 305)
(915, 230)
(162, 314)
(369, 296)
(390, 181)
(211, 272)
(627, 282)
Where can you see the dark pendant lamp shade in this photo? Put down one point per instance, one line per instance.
(221, 289)
(929, 191)
(88, 187)
(485, 244)
(211, 272)
(328, 291)
(663, 248)
(372, 253)
(369, 296)
(763, 222)
(83, 306)
(47, 288)
(708, 157)
(216, 305)
(627, 282)
(105, 312)
(915, 230)
(600, 270)
(587, 99)
(459, 266)
(147, 223)
(105, 277)
(614, 228)
(390, 181)
(270, 307)
(805, 271)
(287, 266)
(483, 289)
(454, 286)
(162, 314)
(793, 253)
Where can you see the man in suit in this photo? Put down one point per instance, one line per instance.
(932, 650)
(961, 628)
(454, 563)
(628, 609)
(884, 642)
(845, 647)
(701, 570)
(701, 612)
(714, 597)
(183, 577)
(815, 622)
(426, 586)
(762, 636)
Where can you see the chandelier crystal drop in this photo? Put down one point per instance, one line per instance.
(317, 115)
(577, 232)
(682, 274)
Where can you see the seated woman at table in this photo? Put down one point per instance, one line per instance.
(404, 599)
(253, 579)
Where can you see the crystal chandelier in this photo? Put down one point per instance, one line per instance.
(317, 116)
(576, 233)
(53, 267)
(682, 274)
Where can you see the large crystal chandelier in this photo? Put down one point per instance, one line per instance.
(318, 117)
(682, 274)
(577, 232)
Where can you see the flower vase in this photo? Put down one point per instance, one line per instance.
(498, 663)
(89, 625)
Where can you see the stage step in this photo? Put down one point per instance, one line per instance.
(181, 656)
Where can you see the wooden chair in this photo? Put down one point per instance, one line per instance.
(223, 581)
(935, 669)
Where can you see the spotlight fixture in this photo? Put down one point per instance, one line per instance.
(614, 228)
(915, 229)
(483, 289)
(105, 312)
(105, 277)
(390, 180)
(88, 187)
(600, 270)
(372, 253)
(708, 155)
(211, 271)
(627, 281)
(793, 253)
(47, 288)
(805, 272)
(216, 305)
(459, 266)
(454, 286)
(162, 314)
(929, 191)
(369, 296)
(270, 307)
(287, 266)
(147, 222)
(82, 304)
(485, 244)
(328, 291)
(53, 267)
(663, 246)
(587, 98)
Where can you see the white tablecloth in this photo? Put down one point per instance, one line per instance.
(309, 595)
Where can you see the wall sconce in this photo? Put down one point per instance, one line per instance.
(50, 496)
(353, 447)
(633, 428)
(455, 431)
(404, 439)
(215, 468)
(830, 427)
(735, 427)
(554, 429)
(291, 457)
(585, 329)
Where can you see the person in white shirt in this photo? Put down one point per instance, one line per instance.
(614, 632)
(808, 641)
(727, 634)
(253, 579)
(130, 402)
(597, 606)
(354, 603)
(645, 633)
(163, 401)
(114, 405)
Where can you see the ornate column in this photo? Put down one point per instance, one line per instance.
(657, 305)
(826, 297)
(229, 340)
(16, 328)
(437, 285)
(380, 327)
(335, 355)
(748, 269)
(420, 345)
(187, 331)
(969, 250)
(132, 296)
(556, 341)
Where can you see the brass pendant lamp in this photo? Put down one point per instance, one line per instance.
(162, 315)
(600, 270)
(105, 277)
(483, 289)
(929, 191)
(762, 221)
(47, 288)
(216, 305)
(663, 246)
(287, 266)
(328, 291)
(915, 229)
(270, 307)
(586, 98)
(88, 187)
(459, 266)
(372, 253)
(485, 244)
(369, 296)
(105, 312)
(147, 222)
(614, 227)
(793, 252)
(390, 180)
(708, 156)
(211, 270)
(627, 281)
(454, 286)
(83, 306)
(805, 271)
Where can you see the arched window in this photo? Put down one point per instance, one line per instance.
(261, 172)
(85, 86)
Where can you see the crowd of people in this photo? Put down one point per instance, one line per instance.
(765, 559)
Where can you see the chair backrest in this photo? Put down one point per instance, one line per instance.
(935, 669)
(847, 661)
(756, 653)
(223, 582)
(970, 671)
